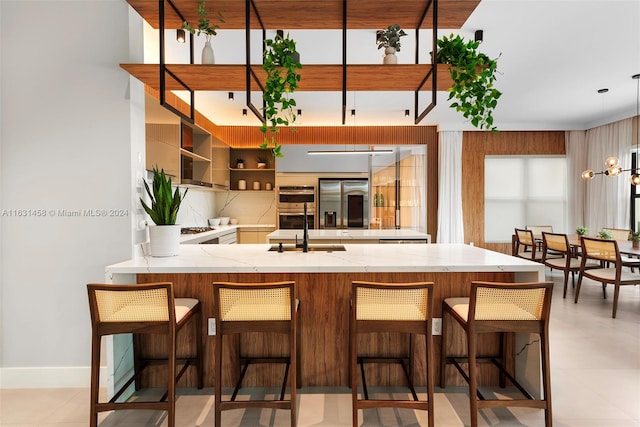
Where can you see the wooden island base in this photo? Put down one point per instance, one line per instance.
(324, 304)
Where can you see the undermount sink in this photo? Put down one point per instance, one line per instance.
(312, 248)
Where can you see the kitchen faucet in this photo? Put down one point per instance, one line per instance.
(305, 232)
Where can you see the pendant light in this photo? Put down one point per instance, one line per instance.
(612, 166)
(635, 176)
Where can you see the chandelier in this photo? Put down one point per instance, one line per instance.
(612, 166)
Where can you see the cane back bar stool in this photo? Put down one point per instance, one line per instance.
(142, 309)
(390, 307)
(503, 308)
(257, 307)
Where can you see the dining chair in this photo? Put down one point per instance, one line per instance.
(503, 308)
(243, 308)
(525, 246)
(537, 233)
(142, 309)
(605, 251)
(619, 233)
(558, 254)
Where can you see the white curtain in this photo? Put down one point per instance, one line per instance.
(450, 224)
(576, 149)
(607, 198)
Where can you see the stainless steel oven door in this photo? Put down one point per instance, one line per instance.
(291, 197)
(294, 220)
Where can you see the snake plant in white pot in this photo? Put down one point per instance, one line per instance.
(164, 237)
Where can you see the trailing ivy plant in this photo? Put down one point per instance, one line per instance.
(281, 63)
(473, 74)
(204, 25)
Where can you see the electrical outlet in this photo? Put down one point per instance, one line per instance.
(211, 329)
(436, 326)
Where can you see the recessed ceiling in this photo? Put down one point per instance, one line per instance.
(553, 58)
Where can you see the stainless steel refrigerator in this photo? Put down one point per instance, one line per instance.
(343, 202)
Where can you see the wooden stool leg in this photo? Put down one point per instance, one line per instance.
(218, 378)
(171, 381)
(199, 350)
(95, 379)
(473, 378)
(353, 368)
(443, 351)
(546, 377)
(293, 380)
(429, 355)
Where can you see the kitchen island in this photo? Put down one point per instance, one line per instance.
(324, 286)
(351, 235)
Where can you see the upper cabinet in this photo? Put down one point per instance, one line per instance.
(252, 169)
(186, 152)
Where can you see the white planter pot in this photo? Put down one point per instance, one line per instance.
(207, 53)
(390, 56)
(164, 240)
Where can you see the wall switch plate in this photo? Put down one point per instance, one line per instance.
(436, 326)
(211, 328)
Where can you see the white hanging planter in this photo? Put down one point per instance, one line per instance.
(164, 240)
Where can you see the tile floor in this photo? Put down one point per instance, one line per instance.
(595, 377)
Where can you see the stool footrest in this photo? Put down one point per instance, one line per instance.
(238, 404)
(400, 360)
(112, 406)
(246, 361)
(456, 361)
(407, 404)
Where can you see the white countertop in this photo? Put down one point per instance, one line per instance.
(351, 233)
(217, 232)
(255, 258)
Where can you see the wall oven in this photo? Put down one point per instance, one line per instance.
(291, 200)
(290, 220)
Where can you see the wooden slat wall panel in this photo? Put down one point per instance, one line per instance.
(250, 136)
(477, 145)
(324, 303)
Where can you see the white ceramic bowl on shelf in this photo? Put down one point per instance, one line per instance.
(214, 222)
(233, 221)
(224, 220)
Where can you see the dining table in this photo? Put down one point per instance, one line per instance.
(625, 246)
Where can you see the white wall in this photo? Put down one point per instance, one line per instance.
(67, 121)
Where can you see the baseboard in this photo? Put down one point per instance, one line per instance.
(50, 377)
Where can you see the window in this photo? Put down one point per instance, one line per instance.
(523, 190)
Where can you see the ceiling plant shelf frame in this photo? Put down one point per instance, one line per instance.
(339, 77)
(163, 71)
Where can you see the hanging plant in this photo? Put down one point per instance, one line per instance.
(281, 62)
(205, 26)
(473, 74)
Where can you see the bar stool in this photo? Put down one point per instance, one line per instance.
(390, 307)
(142, 309)
(257, 307)
(499, 307)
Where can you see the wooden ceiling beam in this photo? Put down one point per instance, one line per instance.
(314, 15)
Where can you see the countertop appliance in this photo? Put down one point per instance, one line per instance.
(343, 202)
(291, 206)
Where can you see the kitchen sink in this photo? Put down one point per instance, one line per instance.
(312, 248)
